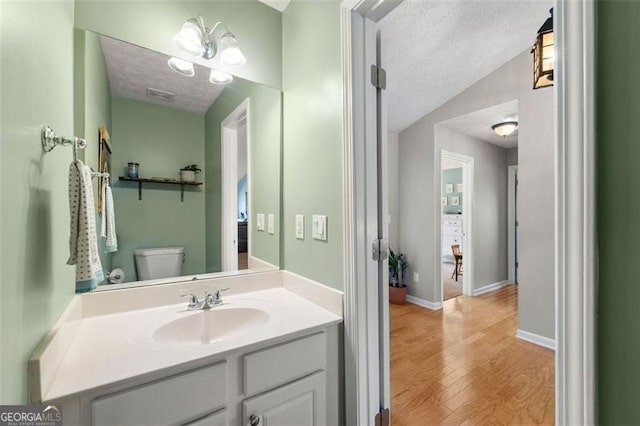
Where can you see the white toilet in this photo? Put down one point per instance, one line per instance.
(160, 262)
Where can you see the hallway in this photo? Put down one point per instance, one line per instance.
(464, 365)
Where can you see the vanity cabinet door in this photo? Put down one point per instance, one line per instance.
(301, 403)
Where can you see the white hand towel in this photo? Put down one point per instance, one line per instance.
(108, 220)
(83, 238)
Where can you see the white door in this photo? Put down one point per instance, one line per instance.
(377, 212)
(301, 403)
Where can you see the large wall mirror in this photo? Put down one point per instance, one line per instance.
(194, 163)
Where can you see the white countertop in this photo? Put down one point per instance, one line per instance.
(111, 348)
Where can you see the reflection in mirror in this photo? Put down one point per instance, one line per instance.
(194, 161)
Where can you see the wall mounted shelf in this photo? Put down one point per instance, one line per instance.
(140, 181)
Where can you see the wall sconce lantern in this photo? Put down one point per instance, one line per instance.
(544, 55)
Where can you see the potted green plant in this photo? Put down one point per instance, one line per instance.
(397, 287)
(188, 173)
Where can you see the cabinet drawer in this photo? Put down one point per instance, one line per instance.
(165, 402)
(452, 230)
(281, 364)
(218, 418)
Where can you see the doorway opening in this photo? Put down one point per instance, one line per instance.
(236, 187)
(455, 220)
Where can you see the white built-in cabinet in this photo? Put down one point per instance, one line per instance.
(289, 382)
(451, 234)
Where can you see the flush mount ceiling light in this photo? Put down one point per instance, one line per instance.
(181, 66)
(220, 77)
(544, 55)
(198, 40)
(505, 128)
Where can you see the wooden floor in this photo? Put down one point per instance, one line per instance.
(463, 365)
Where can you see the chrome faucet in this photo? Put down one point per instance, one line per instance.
(210, 300)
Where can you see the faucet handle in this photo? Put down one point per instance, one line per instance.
(217, 292)
(193, 299)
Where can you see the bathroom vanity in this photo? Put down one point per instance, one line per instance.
(266, 355)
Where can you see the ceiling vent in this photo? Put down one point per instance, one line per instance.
(160, 95)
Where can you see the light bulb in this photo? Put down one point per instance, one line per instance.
(230, 53)
(220, 77)
(181, 66)
(189, 38)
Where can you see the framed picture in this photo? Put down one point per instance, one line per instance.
(444, 201)
(448, 188)
(460, 188)
(104, 161)
(455, 201)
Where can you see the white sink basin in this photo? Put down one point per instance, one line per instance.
(208, 326)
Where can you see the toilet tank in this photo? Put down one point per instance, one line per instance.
(160, 262)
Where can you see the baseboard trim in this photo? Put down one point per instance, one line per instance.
(490, 287)
(536, 339)
(424, 303)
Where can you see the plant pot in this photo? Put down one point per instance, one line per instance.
(397, 295)
(187, 176)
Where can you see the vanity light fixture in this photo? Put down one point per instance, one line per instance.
(220, 77)
(181, 66)
(198, 40)
(505, 128)
(544, 55)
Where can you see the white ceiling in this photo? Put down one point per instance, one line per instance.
(435, 49)
(132, 69)
(279, 5)
(478, 124)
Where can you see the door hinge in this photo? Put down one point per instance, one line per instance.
(517, 265)
(517, 223)
(378, 77)
(383, 418)
(379, 250)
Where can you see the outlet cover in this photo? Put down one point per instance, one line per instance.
(416, 277)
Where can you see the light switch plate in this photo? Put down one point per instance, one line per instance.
(416, 277)
(300, 226)
(260, 221)
(319, 227)
(271, 224)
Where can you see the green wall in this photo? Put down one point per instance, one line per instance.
(454, 177)
(92, 108)
(312, 137)
(36, 89)
(265, 104)
(618, 209)
(152, 24)
(162, 140)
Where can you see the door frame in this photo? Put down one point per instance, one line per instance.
(512, 215)
(229, 184)
(467, 221)
(574, 211)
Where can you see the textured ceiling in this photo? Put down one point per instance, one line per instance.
(279, 5)
(132, 69)
(433, 50)
(478, 124)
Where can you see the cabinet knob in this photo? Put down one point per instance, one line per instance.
(254, 420)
